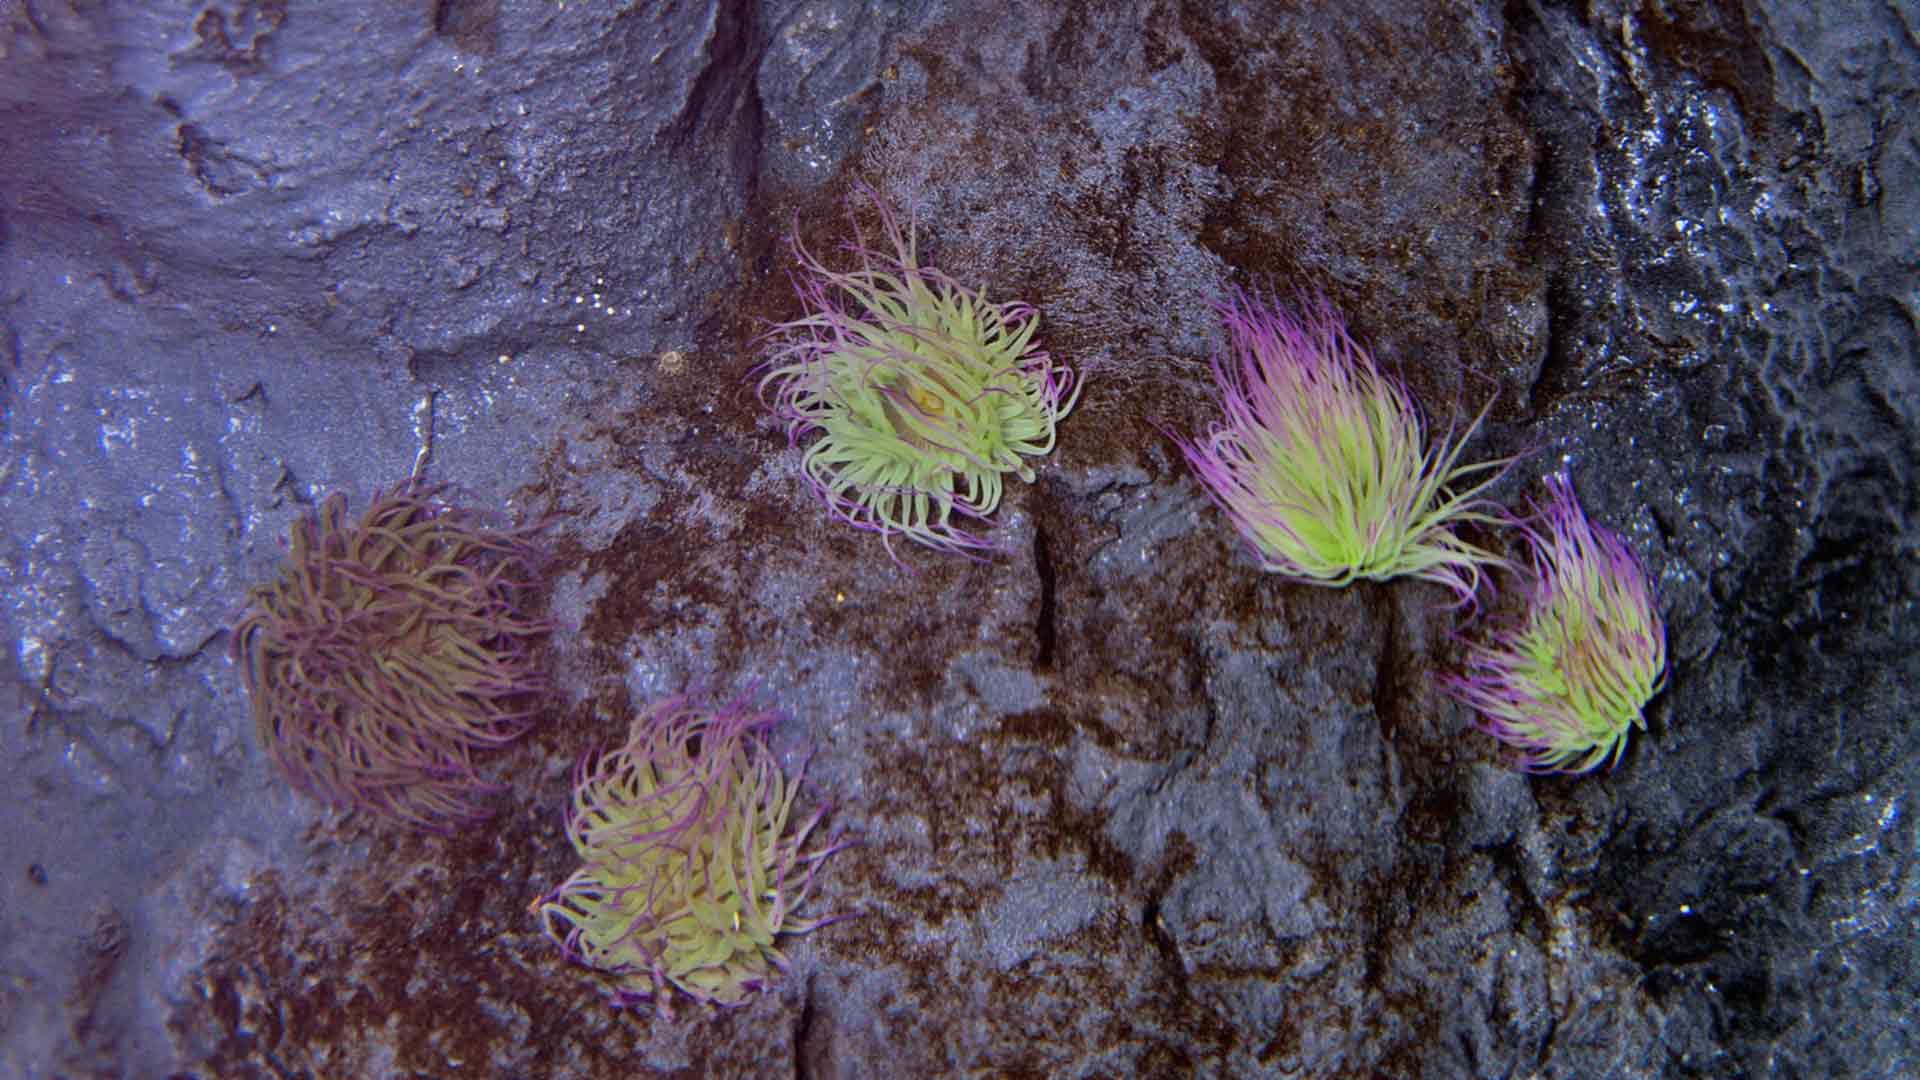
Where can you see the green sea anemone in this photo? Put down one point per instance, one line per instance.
(1322, 462)
(1565, 685)
(693, 866)
(918, 394)
(388, 652)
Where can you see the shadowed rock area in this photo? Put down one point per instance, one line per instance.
(1125, 806)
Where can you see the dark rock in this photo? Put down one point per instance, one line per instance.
(1125, 805)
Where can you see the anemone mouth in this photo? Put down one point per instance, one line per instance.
(914, 395)
(913, 407)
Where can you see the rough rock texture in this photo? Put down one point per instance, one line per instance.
(1126, 806)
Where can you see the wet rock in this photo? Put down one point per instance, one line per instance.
(1125, 805)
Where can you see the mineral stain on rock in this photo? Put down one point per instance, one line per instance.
(1127, 807)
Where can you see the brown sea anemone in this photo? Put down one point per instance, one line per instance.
(389, 651)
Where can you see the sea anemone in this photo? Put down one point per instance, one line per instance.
(1564, 686)
(692, 871)
(919, 394)
(388, 651)
(1322, 462)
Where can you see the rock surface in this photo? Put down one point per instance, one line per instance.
(1126, 807)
